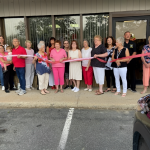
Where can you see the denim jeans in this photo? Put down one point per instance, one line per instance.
(21, 75)
(1, 76)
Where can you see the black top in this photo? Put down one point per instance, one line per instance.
(131, 47)
(99, 50)
(67, 65)
(119, 55)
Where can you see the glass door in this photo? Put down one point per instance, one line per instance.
(139, 29)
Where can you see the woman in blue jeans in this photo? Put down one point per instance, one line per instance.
(2, 42)
(2, 78)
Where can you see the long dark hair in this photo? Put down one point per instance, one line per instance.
(113, 41)
(3, 38)
(52, 38)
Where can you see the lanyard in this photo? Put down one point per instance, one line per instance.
(118, 54)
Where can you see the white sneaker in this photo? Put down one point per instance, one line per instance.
(28, 89)
(3, 88)
(86, 89)
(22, 92)
(32, 88)
(76, 90)
(18, 91)
(90, 90)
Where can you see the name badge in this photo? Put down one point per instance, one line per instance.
(131, 45)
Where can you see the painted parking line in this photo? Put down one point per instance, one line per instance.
(64, 136)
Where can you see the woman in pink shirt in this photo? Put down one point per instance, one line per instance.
(8, 77)
(58, 54)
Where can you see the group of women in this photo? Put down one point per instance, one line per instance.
(54, 73)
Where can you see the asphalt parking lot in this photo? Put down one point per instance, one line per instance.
(51, 129)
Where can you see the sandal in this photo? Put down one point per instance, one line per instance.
(144, 91)
(56, 91)
(99, 93)
(124, 94)
(107, 90)
(96, 91)
(117, 93)
(113, 91)
(46, 91)
(61, 91)
(42, 93)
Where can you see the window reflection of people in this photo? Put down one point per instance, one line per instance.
(131, 63)
(49, 48)
(99, 67)
(146, 66)
(120, 66)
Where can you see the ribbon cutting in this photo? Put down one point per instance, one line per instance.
(80, 59)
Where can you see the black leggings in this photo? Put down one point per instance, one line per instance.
(109, 74)
(9, 77)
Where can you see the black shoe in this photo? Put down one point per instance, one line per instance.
(67, 86)
(71, 87)
(134, 91)
(13, 89)
(7, 91)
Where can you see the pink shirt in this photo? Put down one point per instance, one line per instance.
(5, 58)
(29, 59)
(57, 56)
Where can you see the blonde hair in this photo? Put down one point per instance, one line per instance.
(9, 47)
(98, 36)
(27, 41)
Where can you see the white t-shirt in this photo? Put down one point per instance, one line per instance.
(86, 54)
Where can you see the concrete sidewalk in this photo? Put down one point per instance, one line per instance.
(82, 99)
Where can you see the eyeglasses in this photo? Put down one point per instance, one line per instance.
(66, 43)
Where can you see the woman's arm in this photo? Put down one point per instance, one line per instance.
(124, 60)
(34, 60)
(101, 55)
(79, 54)
(47, 51)
(113, 55)
(143, 60)
(5, 61)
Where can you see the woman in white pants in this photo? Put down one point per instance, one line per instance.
(120, 66)
(99, 67)
(29, 69)
(42, 68)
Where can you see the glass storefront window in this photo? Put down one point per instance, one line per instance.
(95, 25)
(40, 29)
(67, 28)
(15, 28)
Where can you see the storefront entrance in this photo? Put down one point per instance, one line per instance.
(139, 28)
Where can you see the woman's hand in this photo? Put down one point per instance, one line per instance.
(14, 68)
(118, 63)
(87, 68)
(52, 59)
(95, 56)
(147, 65)
(61, 60)
(35, 58)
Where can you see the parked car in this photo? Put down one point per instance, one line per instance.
(141, 132)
